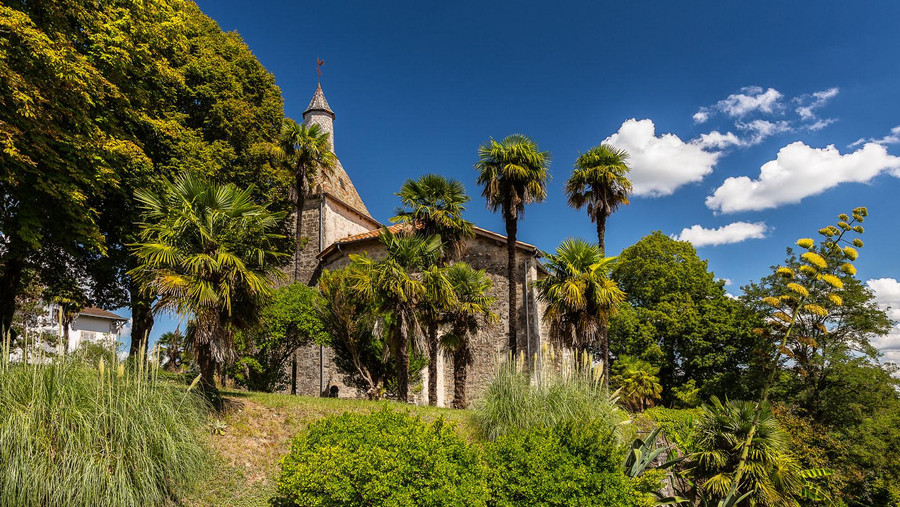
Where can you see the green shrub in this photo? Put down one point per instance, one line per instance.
(677, 425)
(73, 434)
(384, 458)
(565, 465)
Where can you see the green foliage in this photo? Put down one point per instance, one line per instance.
(209, 251)
(435, 205)
(675, 424)
(512, 172)
(103, 99)
(679, 318)
(600, 181)
(773, 475)
(569, 464)
(384, 458)
(573, 393)
(287, 320)
(75, 434)
(637, 382)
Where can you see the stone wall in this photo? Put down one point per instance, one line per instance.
(488, 347)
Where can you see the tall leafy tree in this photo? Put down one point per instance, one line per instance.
(208, 251)
(471, 308)
(512, 172)
(434, 205)
(96, 126)
(600, 183)
(637, 382)
(304, 151)
(395, 287)
(678, 316)
(580, 296)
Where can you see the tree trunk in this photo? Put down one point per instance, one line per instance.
(432, 363)
(511, 229)
(207, 366)
(601, 233)
(10, 279)
(460, 371)
(403, 360)
(141, 319)
(299, 202)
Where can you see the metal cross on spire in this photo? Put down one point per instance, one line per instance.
(319, 63)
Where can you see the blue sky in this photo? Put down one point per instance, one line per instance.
(702, 94)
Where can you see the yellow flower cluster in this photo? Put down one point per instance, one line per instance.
(815, 259)
(832, 280)
(799, 289)
(805, 243)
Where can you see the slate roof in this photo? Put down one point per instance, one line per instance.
(318, 103)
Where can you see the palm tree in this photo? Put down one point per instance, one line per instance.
(638, 382)
(435, 204)
(305, 152)
(600, 182)
(721, 431)
(209, 251)
(580, 296)
(396, 288)
(513, 173)
(471, 308)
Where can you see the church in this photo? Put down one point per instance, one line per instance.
(337, 224)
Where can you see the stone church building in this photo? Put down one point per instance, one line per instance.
(337, 223)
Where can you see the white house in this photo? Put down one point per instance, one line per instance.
(90, 325)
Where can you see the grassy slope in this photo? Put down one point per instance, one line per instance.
(258, 433)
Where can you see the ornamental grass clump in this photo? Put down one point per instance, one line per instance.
(563, 390)
(77, 434)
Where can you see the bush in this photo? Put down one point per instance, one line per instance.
(72, 434)
(565, 465)
(384, 458)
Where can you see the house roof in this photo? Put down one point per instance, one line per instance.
(373, 236)
(92, 311)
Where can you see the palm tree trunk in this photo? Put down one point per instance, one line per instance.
(601, 233)
(141, 319)
(460, 371)
(511, 229)
(403, 360)
(299, 202)
(432, 362)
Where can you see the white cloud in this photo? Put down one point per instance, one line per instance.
(731, 233)
(800, 171)
(660, 164)
(820, 124)
(810, 102)
(717, 140)
(749, 100)
(887, 295)
(758, 130)
(701, 116)
(726, 281)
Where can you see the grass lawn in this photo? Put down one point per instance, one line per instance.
(258, 432)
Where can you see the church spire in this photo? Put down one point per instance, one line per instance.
(318, 112)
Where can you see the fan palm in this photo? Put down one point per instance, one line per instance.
(513, 172)
(305, 152)
(580, 296)
(600, 182)
(395, 285)
(638, 382)
(472, 307)
(435, 204)
(720, 436)
(209, 251)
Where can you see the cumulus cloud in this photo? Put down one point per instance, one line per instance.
(800, 171)
(717, 140)
(807, 104)
(750, 99)
(892, 138)
(661, 164)
(887, 295)
(732, 233)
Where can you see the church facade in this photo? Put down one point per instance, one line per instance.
(336, 223)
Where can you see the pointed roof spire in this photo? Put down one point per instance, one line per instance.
(318, 103)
